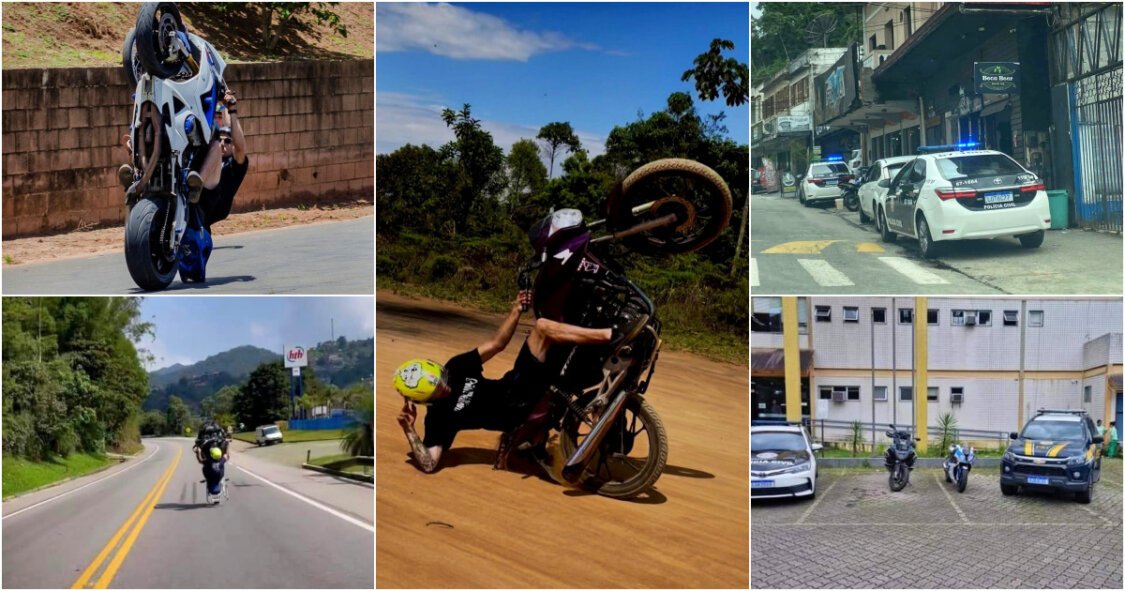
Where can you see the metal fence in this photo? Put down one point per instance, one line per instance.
(1097, 150)
(841, 431)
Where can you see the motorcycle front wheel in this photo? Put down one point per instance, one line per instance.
(851, 202)
(899, 477)
(698, 197)
(129, 61)
(151, 265)
(962, 480)
(156, 24)
(631, 457)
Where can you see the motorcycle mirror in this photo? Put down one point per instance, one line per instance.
(1013, 435)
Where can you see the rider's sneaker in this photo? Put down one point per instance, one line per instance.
(195, 186)
(627, 330)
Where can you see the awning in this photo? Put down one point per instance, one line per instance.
(1115, 381)
(771, 362)
(994, 108)
(954, 30)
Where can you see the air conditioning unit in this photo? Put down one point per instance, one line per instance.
(839, 396)
(970, 319)
(957, 398)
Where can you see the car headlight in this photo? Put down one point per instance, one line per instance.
(802, 467)
(1009, 456)
(1077, 460)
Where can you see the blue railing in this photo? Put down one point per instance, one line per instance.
(336, 422)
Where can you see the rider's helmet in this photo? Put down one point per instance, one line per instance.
(418, 379)
(216, 453)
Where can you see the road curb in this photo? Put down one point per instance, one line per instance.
(878, 462)
(349, 475)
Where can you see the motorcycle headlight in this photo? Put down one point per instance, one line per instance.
(802, 467)
(1077, 460)
(1009, 456)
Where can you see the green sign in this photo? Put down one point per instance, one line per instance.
(996, 77)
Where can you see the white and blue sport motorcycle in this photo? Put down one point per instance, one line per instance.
(179, 85)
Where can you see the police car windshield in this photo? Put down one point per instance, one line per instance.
(776, 441)
(1053, 430)
(892, 169)
(961, 167)
(828, 169)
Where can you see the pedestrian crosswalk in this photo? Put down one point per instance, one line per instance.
(780, 273)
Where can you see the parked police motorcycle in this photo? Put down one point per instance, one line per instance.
(179, 83)
(958, 464)
(899, 458)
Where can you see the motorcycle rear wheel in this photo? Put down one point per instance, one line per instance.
(696, 194)
(150, 265)
(155, 21)
(851, 202)
(605, 474)
(899, 477)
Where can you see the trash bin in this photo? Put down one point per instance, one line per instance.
(1060, 209)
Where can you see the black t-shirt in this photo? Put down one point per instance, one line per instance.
(217, 202)
(476, 402)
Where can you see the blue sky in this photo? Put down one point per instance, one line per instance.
(523, 65)
(190, 329)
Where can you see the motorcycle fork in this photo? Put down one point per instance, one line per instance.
(614, 375)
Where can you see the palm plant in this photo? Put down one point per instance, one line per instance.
(857, 436)
(359, 439)
(947, 423)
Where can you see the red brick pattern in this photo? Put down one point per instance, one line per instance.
(309, 132)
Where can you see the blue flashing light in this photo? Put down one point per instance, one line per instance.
(948, 147)
(834, 158)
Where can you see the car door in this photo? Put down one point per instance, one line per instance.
(869, 187)
(894, 204)
(912, 177)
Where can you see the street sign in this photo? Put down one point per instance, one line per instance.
(996, 77)
(296, 357)
(821, 411)
(296, 372)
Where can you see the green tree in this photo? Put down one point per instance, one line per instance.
(277, 16)
(714, 74)
(265, 396)
(556, 135)
(479, 179)
(359, 439)
(414, 189)
(526, 174)
(177, 417)
(773, 42)
(154, 423)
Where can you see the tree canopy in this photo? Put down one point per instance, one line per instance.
(785, 29)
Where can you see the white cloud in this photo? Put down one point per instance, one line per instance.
(402, 119)
(459, 33)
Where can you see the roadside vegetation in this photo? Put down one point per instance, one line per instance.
(297, 435)
(22, 475)
(453, 219)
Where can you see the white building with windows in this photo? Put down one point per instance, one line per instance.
(1062, 353)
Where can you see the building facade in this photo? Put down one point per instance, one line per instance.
(988, 362)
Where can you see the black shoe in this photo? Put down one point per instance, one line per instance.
(627, 330)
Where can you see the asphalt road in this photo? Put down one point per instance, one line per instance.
(820, 250)
(326, 258)
(263, 537)
(468, 526)
(857, 534)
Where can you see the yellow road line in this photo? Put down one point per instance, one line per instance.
(868, 247)
(147, 503)
(799, 247)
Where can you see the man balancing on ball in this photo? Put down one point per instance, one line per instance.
(459, 397)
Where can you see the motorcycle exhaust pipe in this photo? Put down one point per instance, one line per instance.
(645, 227)
(581, 456)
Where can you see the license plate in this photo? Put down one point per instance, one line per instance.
(831, 181)
(1038, 480)
(761, 484)
(1001, 197)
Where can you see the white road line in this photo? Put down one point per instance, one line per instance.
(819, 498)
(913, 271)
(69, 492)
(824, 274)
(367, 526)
(754, 273)
(1095, 514)
(945, 490)
(1070, 524)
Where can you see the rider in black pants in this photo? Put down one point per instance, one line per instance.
(212, 437)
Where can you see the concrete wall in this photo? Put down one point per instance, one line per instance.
(309, 128)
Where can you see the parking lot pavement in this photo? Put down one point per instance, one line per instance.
(858, 534)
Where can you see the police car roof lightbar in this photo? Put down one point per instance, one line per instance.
(1061, 411)
(833, 158)
(773, 423)
(948, 148)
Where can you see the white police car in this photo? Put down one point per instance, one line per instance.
(954, 193)
(871, 192)
(782, 461)
(822, 180)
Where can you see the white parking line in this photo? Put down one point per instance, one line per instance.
(950, 497)
(1069, 524)
(70, 492)
(367, 526)
(824, 274)
(1095, 514)
(912, 271)
(754, 273)
(819, 498)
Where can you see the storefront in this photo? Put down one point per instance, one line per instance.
(767, 384)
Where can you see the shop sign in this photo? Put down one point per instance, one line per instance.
(996, 77)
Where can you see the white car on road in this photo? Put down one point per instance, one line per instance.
(955, 195)
(822, 181)
(871, 192)
(782, 461)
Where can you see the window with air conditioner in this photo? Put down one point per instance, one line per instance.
(824, 313)
(957, 394)
(851, 314)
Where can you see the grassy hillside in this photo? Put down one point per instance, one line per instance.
(91, 33)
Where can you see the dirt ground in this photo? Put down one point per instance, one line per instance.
(80, 243)
(469, 526)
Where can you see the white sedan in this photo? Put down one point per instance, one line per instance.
(870, 192)
(956, 195)
(822, 182)
(782, 462)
